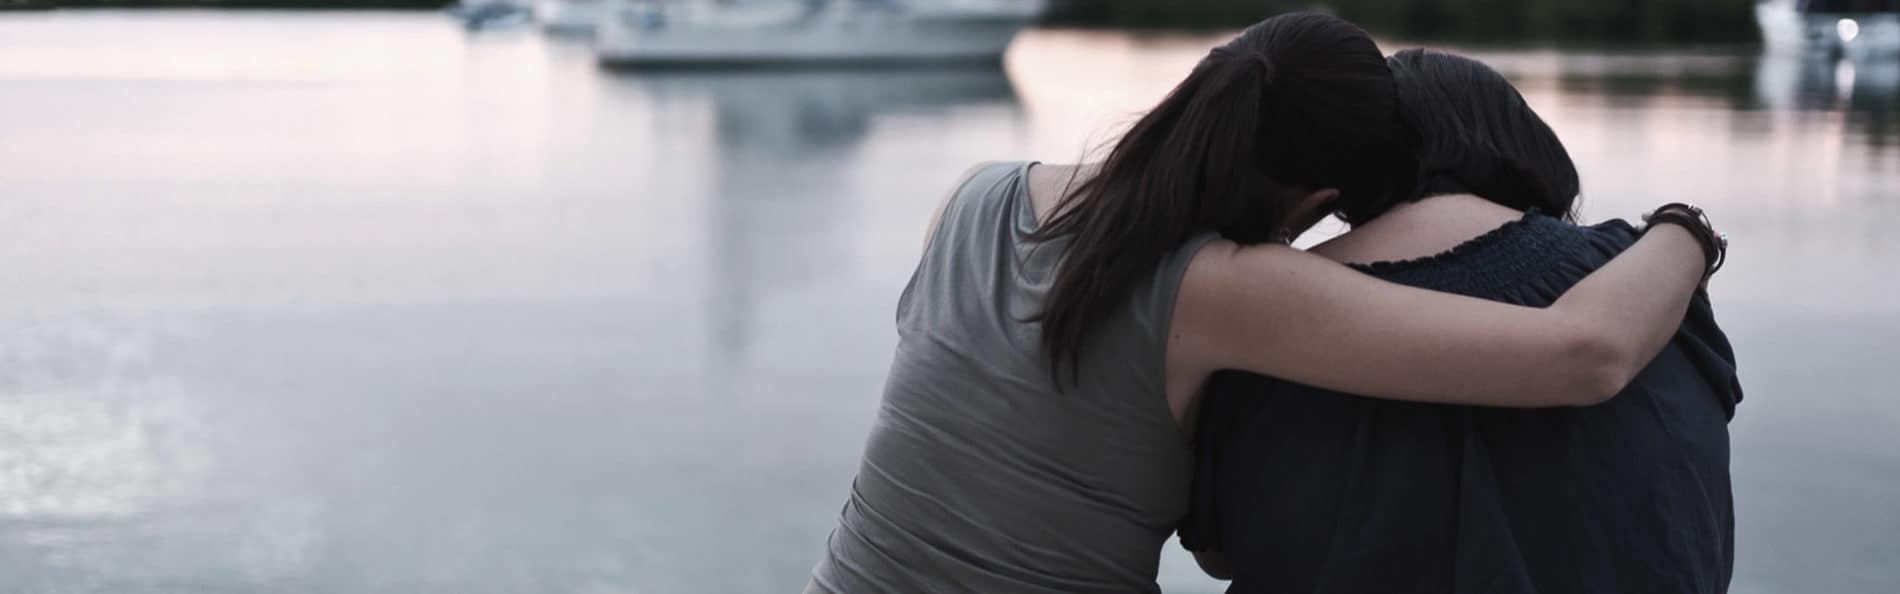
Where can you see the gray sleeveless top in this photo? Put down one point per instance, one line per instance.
(979, 475)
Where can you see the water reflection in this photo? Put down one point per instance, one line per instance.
(1866, 88)
(802, 114)
(779, 209)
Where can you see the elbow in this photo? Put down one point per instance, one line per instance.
(1602, 369)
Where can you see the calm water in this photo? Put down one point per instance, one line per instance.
(354, 303)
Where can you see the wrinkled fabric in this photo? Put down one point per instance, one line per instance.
(1311, 491)
(979, 475)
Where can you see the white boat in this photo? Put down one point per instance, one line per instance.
(1853, 28)
(735, 32)
(569, 16)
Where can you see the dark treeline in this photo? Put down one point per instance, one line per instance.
(1502, 20)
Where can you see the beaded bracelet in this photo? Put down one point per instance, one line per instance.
(1696, 221)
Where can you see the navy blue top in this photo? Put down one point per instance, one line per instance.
(1310, 491)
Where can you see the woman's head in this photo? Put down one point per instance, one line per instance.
(1476, 136)
(1296, 112)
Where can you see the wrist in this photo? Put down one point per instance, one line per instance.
(1694, 222)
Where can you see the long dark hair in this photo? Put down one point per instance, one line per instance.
(1300, 101)
(1477, 136)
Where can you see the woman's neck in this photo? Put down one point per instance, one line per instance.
(1419, 229)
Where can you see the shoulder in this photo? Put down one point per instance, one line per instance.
(1538, 260)
(976, 177)
(1541, 234)
(983, 179)
(986, 175)
(1598, 243)
(1531, 260)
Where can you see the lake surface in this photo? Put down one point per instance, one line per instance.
(362, 303)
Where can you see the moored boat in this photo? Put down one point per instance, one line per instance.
(716, 33)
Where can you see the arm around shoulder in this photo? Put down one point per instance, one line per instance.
(1276, 311)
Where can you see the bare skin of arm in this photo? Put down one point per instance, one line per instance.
(1277, 311)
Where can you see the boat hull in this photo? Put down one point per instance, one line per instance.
(628, 37)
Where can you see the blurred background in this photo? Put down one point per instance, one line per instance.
(398, 297)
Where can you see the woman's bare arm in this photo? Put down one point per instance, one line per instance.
(1276, 311)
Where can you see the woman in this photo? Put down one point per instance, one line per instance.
(1054, 337)
(1302, 489)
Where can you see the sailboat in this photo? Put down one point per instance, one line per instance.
(759, 32)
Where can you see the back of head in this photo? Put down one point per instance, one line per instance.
(1478, 136)
(1297, 101)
